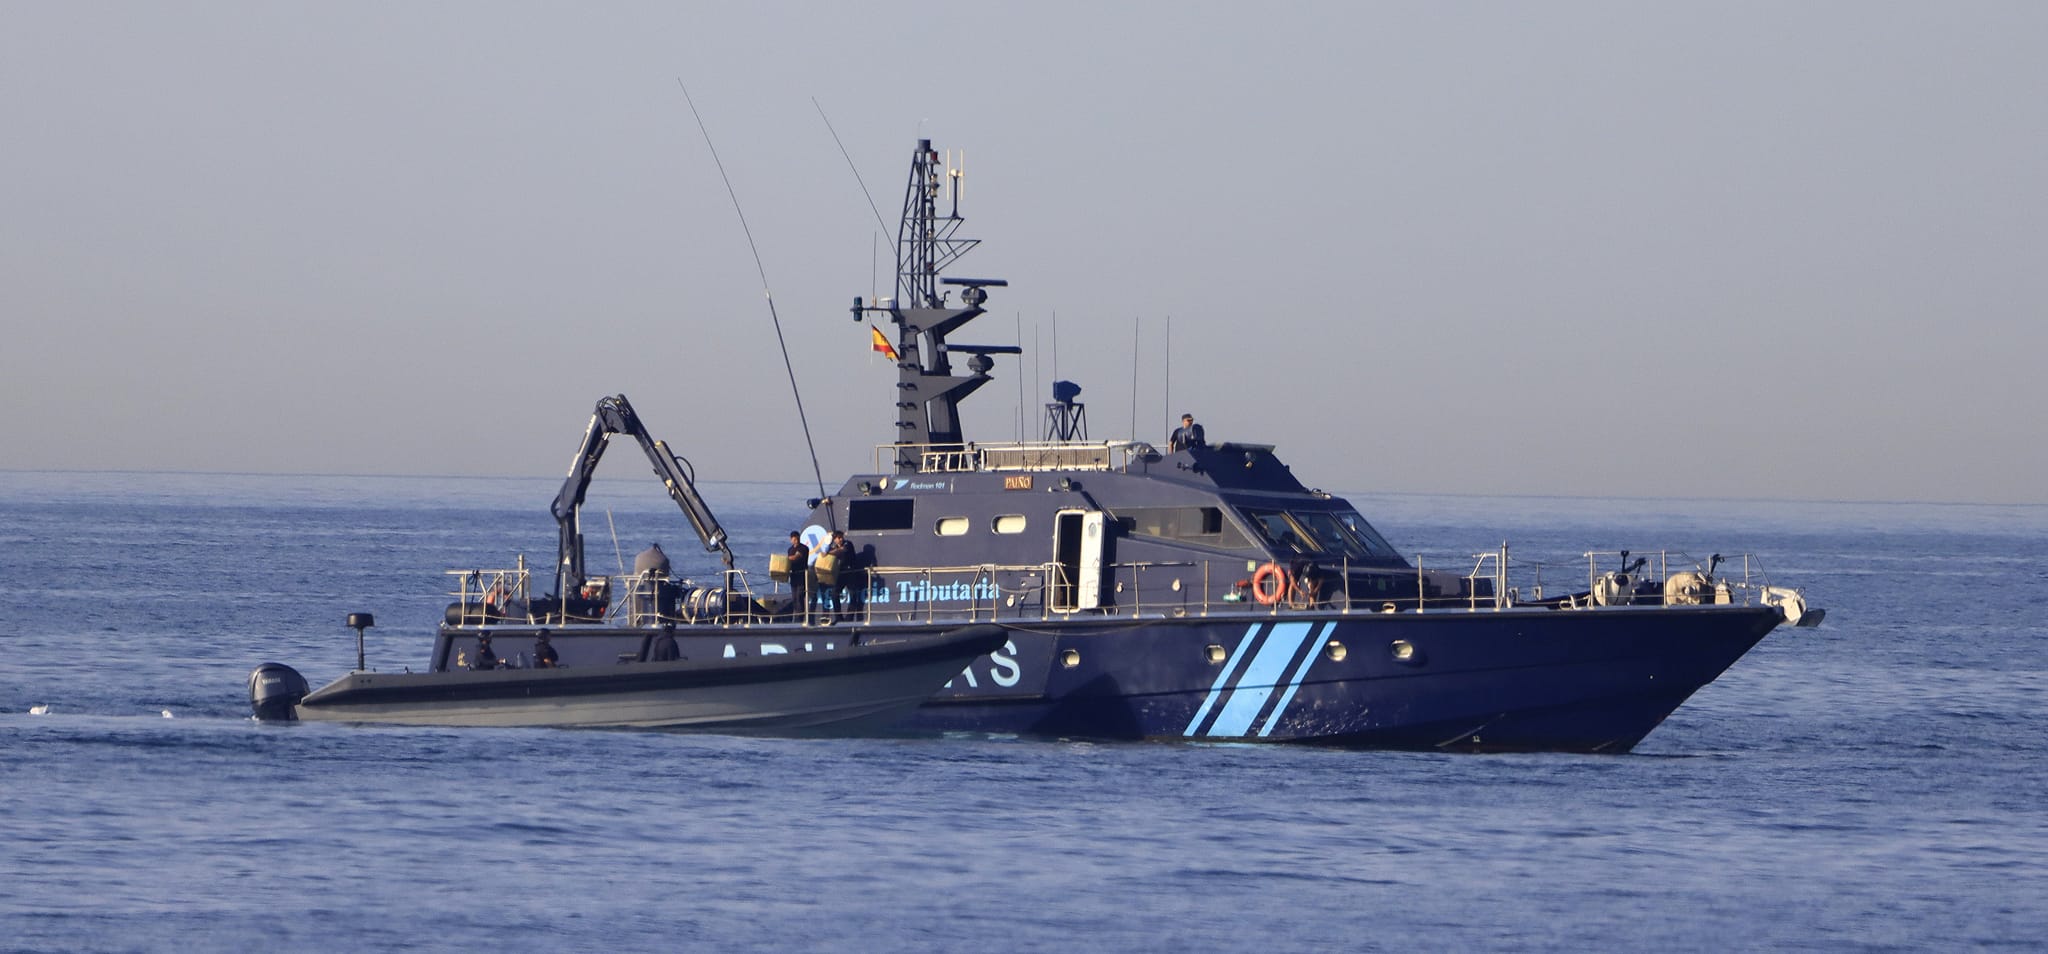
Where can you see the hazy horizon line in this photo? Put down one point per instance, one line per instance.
(805, 484)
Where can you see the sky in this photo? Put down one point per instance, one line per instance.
(1744, 250)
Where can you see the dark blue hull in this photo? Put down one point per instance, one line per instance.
(1514, 680)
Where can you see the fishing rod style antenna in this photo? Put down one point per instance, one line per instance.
(1020, 379)
(872, 207)
(809, 445)
(1137, 325)
(1166, 373)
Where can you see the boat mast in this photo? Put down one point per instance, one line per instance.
(926, 242)
(928, 390)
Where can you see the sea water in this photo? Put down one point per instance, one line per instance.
(1877, 783)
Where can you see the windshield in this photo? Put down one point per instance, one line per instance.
(1282, 533)
(1368, 537)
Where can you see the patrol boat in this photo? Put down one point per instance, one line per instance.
(1203, 592)
(1199, 592)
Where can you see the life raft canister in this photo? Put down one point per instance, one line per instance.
(1269, 585)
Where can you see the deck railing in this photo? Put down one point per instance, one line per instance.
(1046, 591)
(1015, 457)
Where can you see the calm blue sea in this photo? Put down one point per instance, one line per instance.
(1876, 784)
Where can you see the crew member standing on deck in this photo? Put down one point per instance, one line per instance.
(1188, 434)
(800, 574)
(846, 596)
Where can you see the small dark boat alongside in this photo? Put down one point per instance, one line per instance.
(856, 686)
(1098, 589)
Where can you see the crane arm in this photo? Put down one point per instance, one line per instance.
(615, 415)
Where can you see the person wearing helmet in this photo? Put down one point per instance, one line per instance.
(485, 658)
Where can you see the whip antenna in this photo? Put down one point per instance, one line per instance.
(1137, 323)
(1166, 374)
(765, 292)
(850, 166)
(1020, 377)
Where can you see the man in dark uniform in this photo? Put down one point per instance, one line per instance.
(800, 574)
(544, 656)
(1189, 434)
(485, 658)
(848, 594)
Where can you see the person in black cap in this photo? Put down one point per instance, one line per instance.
(845, 598)
(1188, 434)
(800, 574)
(544, 655)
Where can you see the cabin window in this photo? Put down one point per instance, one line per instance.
(1009, 523)
(1202, 525)
(879, 513)
(952, 526)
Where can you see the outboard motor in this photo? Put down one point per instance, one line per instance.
(274, 692)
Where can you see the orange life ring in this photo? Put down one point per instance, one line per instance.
(1269, 585)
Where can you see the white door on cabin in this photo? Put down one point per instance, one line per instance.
(1078, 537)
(1090, 579)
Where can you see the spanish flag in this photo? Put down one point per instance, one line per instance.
(882, 343)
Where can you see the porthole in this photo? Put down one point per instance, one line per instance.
(1217, 655)
(1009, 523)
(1070, 658)
(1335, 650)
(952, 526)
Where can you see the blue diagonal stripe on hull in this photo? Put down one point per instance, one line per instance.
(1222, 680)
(1294, 681)
(1256, 686)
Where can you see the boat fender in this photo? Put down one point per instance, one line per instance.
(1269, 585)
(274, 692)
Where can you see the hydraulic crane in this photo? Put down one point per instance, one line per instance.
(615, 415)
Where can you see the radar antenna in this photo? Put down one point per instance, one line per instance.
(925, 240)
(1065, 418)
